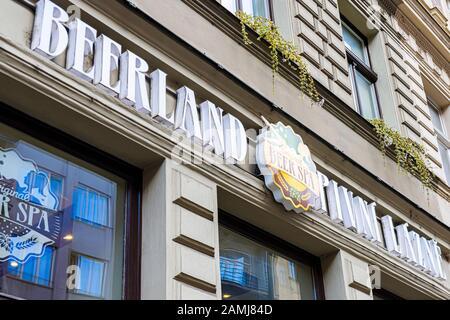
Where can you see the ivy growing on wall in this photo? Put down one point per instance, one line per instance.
(409, 154)
(267, 30)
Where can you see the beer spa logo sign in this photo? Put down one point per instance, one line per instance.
(29, 221)
(288, 169)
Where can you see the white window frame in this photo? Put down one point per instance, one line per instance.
(239, 6)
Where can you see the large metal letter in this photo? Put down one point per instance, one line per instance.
(347, 209)
(50, 37)
(389, 235)
(235, 139)
(405, 244)
(107, 54)
(158, 98)
(212, 128)
(81, 45)
(334, 204)
(133, 90)
(186, 114)
(323, 183)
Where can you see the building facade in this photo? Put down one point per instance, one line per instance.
(147, 151)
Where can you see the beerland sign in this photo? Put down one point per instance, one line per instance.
(292, 175)
(54, 34)
(29, 221)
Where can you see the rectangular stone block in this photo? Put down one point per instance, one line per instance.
(412, 134)
(327, 66)
(399, 72)
(317, 74)
(193, 191)
(322, 30)
(331, 8)
(402, 89)
(342, 79)
(418, 91)
(337, 43)
(421, 106)
(395, 56)
(308, 34)
(409, 121)
(337, 59)
(404, 103)
(424, 121)
(187, 292)
(196, 227)
(342, 94)
(331, 23)
(311, 5)
(304, 15)
(194, 264)
(359, 276)
(309, 52)
(394, 46)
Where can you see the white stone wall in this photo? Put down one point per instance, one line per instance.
(180, 249)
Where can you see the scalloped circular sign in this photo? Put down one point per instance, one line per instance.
(29, 220)
(288, 169)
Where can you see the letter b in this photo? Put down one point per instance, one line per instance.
(50, 37)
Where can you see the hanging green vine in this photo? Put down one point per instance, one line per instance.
(267, 30)
(410, 155)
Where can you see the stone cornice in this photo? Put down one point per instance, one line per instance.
(439, 53)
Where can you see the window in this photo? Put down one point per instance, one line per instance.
(65, 218)
(258, 270)
(436, 118)
(362, 77)
(36, 270)
(92, 274)
(90, 206)
(443, 140)
(256, 8)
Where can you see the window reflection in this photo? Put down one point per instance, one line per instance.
(91, 275)
(90, 206)
(61, 216)
(35, 270)
(250, 270)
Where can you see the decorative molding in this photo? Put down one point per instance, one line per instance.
(194, 208)
(194, 244)
(197, 283)
(409, 29)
